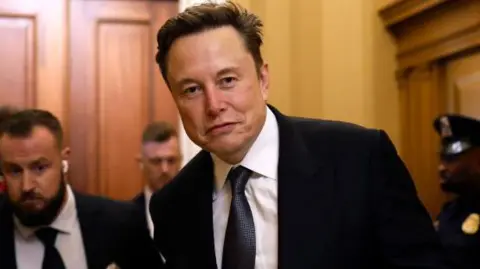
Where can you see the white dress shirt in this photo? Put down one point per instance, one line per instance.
(261, 193)
(29, 249)
(148, 194)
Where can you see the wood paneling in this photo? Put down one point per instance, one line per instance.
(17, 68)
(32, 53)
(463, 82)
(422, 98)
(439, 72)
(115, 91)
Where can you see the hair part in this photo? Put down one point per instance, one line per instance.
(22, 123)
(207, 16)
(158, 132)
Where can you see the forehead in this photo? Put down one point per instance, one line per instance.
(40, 142)
(209, 50)
(169, 147)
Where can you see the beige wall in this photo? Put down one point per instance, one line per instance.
(331, 59)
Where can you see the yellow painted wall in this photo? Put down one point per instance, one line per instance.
(331, 59)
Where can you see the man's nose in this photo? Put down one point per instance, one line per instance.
(28, 182)
(214, 101)
(164, 166)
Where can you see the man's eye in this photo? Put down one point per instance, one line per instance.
(13, 171)
(40, 168)
(191, 90)
(228, 82)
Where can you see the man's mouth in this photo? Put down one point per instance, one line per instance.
(220, 128)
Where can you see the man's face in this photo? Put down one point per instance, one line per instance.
(32, 171)
(461, 174)
(160, 161)
(219, 94)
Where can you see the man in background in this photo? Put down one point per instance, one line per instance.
(459, 221)
(159, 161)
(44, 223)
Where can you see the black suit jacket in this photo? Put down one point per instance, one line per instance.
(112, 232)
(139, 200)
(345, 201)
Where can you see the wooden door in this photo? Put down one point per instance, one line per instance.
(116, 89)
(33, 54)
(463, 82)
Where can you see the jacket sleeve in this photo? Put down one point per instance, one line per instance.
(404, 229)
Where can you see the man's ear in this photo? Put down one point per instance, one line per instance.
(65, 153)
(264, 77)
(138, 158)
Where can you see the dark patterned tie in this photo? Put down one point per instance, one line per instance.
(52, 258)
(239, 247)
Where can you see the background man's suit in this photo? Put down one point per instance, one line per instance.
(139, 200)
(345, 201)
(111, 231)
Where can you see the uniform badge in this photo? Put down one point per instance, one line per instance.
(436, 225)
(471, 224)
(445, 129)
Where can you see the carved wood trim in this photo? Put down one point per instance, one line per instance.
(402, 10)
(432, 30)
(428, 33)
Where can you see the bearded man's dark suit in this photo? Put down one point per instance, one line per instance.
(112, 232)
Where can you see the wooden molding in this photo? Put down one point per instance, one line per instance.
(429, 30)
(404, 9)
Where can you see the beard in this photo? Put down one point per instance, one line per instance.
(464, 183)
(45, 216)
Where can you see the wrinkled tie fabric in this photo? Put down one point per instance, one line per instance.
(239, 249)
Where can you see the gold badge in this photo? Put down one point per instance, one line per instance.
(471, 224)
(445, 128)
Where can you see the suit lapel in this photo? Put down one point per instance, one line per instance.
(90, 219)
(7, 241)
(203, 180)
(305, 187)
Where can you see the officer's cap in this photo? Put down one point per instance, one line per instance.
(458, 133)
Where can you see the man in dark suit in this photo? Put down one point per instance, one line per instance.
(159, 161)
(267, 190)
(44, 223)
(458, 223)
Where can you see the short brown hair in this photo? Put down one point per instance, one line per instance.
(158, 132)
(22, 123)
(208, 16)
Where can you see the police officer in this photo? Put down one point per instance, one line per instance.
(459, 221)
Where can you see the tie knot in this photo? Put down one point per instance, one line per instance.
(238, 178)
(47, 236)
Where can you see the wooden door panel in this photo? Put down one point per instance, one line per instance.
(468, 94)
(32, 53)
(463, 83)
(113, 93)
(17, 64)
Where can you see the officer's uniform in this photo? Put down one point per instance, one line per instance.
(458, 224)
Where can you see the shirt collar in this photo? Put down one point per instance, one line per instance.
(261, 158)
(148, 194)
(64, 222)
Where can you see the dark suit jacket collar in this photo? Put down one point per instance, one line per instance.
(89, 215)
(296, 169)
(91, 225)
(302, 177)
